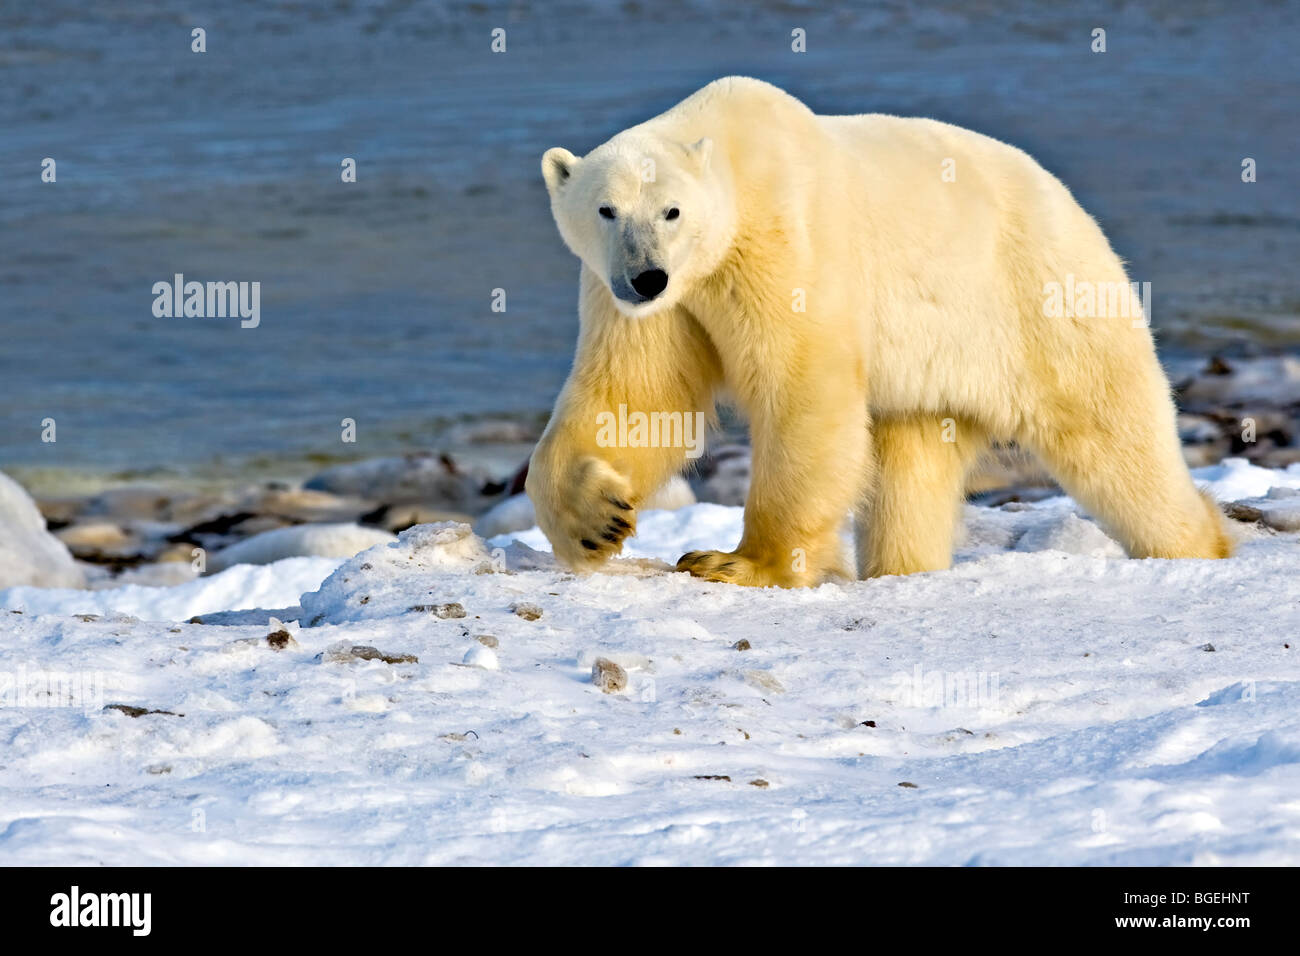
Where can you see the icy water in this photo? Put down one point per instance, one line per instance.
(376, 296)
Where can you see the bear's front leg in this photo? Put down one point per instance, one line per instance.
(589, 472)
(810, 468)
(582, 503)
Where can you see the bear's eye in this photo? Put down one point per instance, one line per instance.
(672, 213)
(606, 212)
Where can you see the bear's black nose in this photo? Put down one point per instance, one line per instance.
(650, 283)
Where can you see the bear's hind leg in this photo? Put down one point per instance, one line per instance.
(1128, 471)
(907, 522)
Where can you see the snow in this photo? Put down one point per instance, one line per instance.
(1044, 702)
(1235, 478)
(243, 586)
(306, 540)
(29, 554)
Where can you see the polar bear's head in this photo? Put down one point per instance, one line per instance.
(647, 216)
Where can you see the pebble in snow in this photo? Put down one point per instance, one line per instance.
(444, 611)
(608, 676)
(529, 612)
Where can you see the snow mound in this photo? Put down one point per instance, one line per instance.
(29, 554)
(1071, 534)
(1235, 478)
(243, 586)
(420, 569)
(300, 541)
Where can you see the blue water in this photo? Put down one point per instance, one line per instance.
(376, 295)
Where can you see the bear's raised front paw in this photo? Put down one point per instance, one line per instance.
(589, 516)
(728, 567)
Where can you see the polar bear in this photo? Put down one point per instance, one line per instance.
(882, 297)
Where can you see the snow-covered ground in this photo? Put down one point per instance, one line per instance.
(1047, 701)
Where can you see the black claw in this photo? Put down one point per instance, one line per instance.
(613, 538)
(619, 503)
(590, 545)
(620, 522)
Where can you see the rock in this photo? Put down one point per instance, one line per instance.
(1280, 513)
(104, 542)
(1217, 365)
(142, 502)
(741, 645)
(492, 431)
(1198, 429)
(1274, 380)
(425, 478)
(304, 540)
(29, 554)
(608, 676)
(181, 553)
(1015, 497)
(487, 640)
(1201, 456)
(398, 518)
(1272, 429)
(132, 711)
(1240, 511)
(344, 652)
(280, 636)
(722, 477)
(1279, 457)
(443, 611)
(93, 535)
(304, 505)
(219, 530)
(529, 612)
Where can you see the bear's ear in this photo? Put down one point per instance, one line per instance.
(557, 166)
(700, 151)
